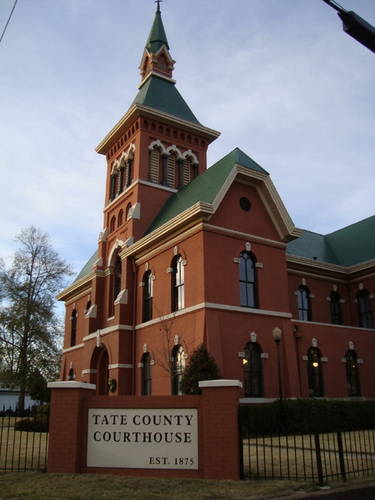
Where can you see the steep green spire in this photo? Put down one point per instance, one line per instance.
(157, 36)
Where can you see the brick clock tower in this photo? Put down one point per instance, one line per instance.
(155, 150)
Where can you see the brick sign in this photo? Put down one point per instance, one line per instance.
(144, 438)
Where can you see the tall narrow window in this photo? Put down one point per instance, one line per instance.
(364, 309)
(248, 280)
(117, 277)
(335, 308)
(187, 170)
(147, 296)
(73, 328)
(121, 180)
(129, 173)
(304, 303)
(178, 367)
(352, 375)
(178, 279)
(146, 374)
(314, 372)
(120, 218)
(112, 224)
(112, 188)
(171, 175)
(253, 370)
(155, 160)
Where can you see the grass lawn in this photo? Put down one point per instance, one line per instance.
(39, 486)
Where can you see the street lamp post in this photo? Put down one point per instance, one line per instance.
(355, 26)
(277, 333)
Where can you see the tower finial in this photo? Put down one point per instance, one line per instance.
(158, 7)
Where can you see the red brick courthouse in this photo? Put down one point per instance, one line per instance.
(191, 255)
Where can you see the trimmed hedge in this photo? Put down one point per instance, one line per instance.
(39, 422)
(306, 416)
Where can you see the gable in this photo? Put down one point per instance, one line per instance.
(256, 220)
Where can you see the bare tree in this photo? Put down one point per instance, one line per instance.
(29, 328)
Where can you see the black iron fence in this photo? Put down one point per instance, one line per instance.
(308, 454)
(24, 439)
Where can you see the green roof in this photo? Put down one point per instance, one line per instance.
(205, 187)
(162, 95)
(157, 37)
(87, 268)
(346, 247)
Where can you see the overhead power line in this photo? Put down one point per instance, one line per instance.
(9, 18)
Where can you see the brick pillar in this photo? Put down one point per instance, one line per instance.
(221, 450)
(66, 427)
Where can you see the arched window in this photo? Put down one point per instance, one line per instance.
(147, 296)
(129, 172)
(121, 180)
(113, 186)
(88, 305)
(71, 375)
(248, 280)
(120, 218)
(352, 374)
(178, 367)
(128, 211)
(73, 328)
(171, 173)
(117, 277)
(146, 374)
(178, 283)
(154, 167)
(304, 303)
(364, 309)
(253, 370)
(314, 372)
(187, 170)
(335, 308)
(112, 225)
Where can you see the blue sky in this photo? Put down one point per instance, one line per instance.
(279, 79)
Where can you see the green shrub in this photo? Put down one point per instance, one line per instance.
(37, 423)
(202, 366)
(306, 416)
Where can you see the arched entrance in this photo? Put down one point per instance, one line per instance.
(99, 363)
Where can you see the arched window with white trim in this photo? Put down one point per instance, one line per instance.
(352, 373)
(253, 370)
(304, 303)
(73, 328)
(248, 280)
(364, 309)
(147, 296)
(315, 372)
(178, 283)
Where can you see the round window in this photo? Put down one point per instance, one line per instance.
(245, 204)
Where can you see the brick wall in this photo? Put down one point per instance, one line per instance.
(218, 439)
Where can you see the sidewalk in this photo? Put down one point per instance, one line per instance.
(351, 492)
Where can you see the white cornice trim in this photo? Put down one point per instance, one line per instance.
(332, 325)
(220, 383)
(207, 132)
(75, 286)
(211, 305)
(71, 384)
(247, 236)
(157, 186)
(327, 266)
(119, 365)
(74, 348)
(247, 310)
(107, 330)
(167, 227)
